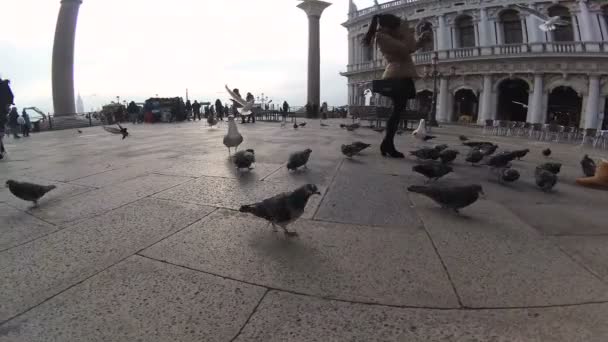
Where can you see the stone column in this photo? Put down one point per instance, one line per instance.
(63, 58)
(592, 108)
(314, 9)
(442, 33)
(443, 101)
(484, 32)
(485, 110)
(537, 100)
(585, 21)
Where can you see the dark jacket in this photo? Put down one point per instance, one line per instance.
(13, 118)
(6, 96)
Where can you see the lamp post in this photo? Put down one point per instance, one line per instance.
(263, 100)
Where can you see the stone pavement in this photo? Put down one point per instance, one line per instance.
(141, 242)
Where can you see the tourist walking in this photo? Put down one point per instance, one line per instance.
(220, 109)
(6, 100)
(251, 117)
(27, 124)
(188, 110)
(133, 110)
(196, 110)
(13, 122)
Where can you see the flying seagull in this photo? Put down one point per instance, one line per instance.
(246, 110)
(549, 23)
(521, 104)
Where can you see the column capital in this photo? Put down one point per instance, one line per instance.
(313, 8)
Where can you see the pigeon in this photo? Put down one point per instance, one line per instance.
(79, 131)
(506, 174)
(588, 166)
(302, 124)
(488, 150)
(298, 159)
(432, 170)
(451, 197)
(378, 129)
(295, 125)
(119, 130)
(463, 138)
(547, 152)
(554, 168)
(246, 105)
(477, 144)
(441, 147)
(233, 138)
(448, 156)
(354, 148)
(244, 159)
(501, 160)
(521, 153)
(474, 156)
(400, 132)
(545, 179)
(352, 127)
(212, 120)
(28, 191)
(342, 126)
(548, 23)
(283, 209)
(426, 153)
(420, 132)
(324, 125)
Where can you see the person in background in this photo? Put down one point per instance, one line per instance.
(27, 124)
(6, 100)
(188, 110)
(196, 110)
(251, 117)
(13, 122)
(133, 111)
(220, 109)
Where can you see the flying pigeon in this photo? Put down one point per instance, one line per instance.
(352, 127)
(298, 159)
(448, 156)
(554, 168)
(521, 153)
(588, 166)
(354, 148)
(463, 138)
(451, 197)
(547, 152)
(426, 153)
(432, 170)
(119, 130)
(283, 209)
(545, 179)
(548, 23)
(28, 191)
(521, 104)
(247, 105)
(244, 159)
(302, 124)
(233, 138)
(474, 156)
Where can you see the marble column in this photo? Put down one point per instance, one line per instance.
(485, 110)
(537, 100)
(443, 101)
(484, 31)
(442, 34)
(63, 58)
(592, 108)
(314, 9)
(585, 21)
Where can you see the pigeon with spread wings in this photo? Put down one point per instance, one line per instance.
(247, 106)
(549, 23)
(119, 130)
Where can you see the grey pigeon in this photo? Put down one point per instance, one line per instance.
(463, 138)
(432, 170)
(474, 156)
(547, 152)
(426, 153)
(508, 175)
(448, 156)
(284, 208)
(452, 197)
(501, 160)
(441, 147)
(302, 124)
(588, 166)
(488, 150)
(476, 143)
(298, 159)
(119, 130)
(244, 159)
(212, 120)
(521, 153)
(554, 168)
(546, 180)
(354, 148)
(28, 191)
(324, 125)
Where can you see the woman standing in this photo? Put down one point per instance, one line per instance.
(27, 124)
(396, 42)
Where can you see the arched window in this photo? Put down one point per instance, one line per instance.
(511, 27)
(368, 53)
(465, 32)
(429, 44)
(562, 33)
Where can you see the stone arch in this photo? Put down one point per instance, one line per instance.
(578, 84)
(498, 81)
(564, 106)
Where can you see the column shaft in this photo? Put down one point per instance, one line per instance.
(537, 100)
(442, 101)
(314, 61)
(486, 100)
(593, 103)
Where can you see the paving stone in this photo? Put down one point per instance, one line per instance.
(288, 317)
(122, 174)
(140, 300)
(496, 260)
(380, 265)
(319, 172)
(33, 272)
(101, 200)
(218, 166)
(18, 227)
(590, 251)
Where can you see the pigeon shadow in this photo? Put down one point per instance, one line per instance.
(290, 252)
(355, 161)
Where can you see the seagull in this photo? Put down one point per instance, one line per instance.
(521, 104)
(233, 138)
(549, 23)
(420, 132)
(246, 110)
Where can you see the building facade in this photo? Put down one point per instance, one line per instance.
(492, 61)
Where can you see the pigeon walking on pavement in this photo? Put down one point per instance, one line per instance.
(432, 170)
(588, 166)
(448, 156)
(244, 159)
(28, 191)
(233, 138)
(474, 156)
(554, 168)
(298, 159)
(426, 153)
(441, 147)
(283, 209)
(451, 197)
(354, 148)
(547, 152)
(521, 153)
(546, 180)
(506, 174)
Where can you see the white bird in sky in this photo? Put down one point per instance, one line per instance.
(521, 104)
(549, 23)
(246, 110)
(233, 138)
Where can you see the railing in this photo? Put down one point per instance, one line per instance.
(576, 49)
(381, 7)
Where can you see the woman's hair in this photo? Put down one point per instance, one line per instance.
(388, 21)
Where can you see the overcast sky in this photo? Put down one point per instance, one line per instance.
(138, 48)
